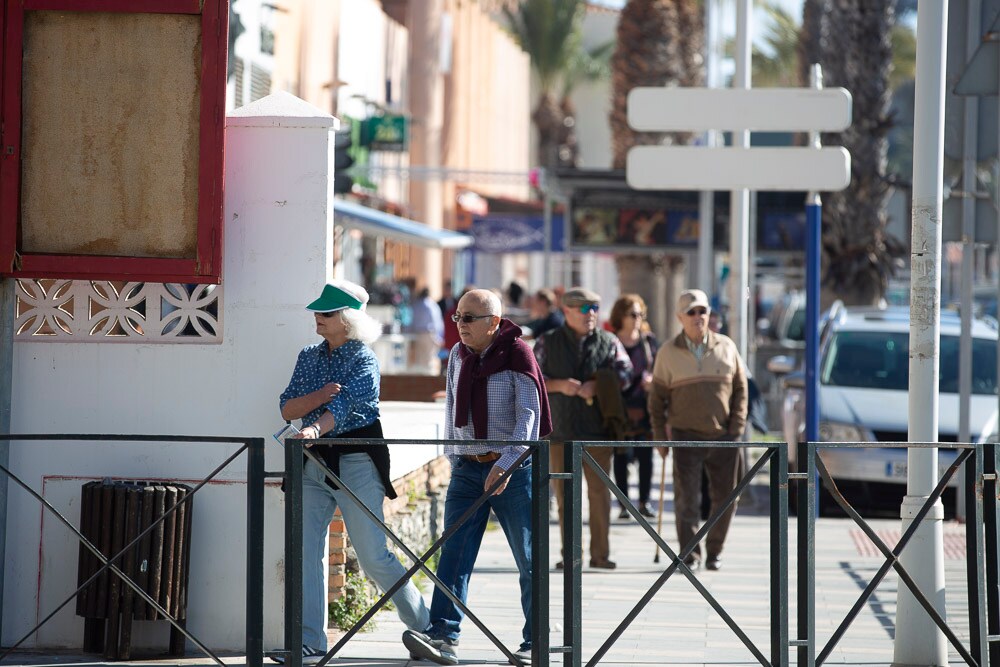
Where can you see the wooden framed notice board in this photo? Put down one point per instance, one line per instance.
(111, 153)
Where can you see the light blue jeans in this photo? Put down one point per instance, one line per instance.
(319, 502)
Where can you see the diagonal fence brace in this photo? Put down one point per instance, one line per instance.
(677, 560)
(892, 559)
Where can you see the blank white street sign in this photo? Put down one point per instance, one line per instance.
(698, 168)
(756, 109)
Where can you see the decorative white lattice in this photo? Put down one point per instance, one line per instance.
(87, 311)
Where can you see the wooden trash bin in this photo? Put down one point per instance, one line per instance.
(112, 515)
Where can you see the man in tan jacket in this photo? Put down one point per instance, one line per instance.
(700, 391)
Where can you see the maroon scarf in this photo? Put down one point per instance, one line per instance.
(507, 353)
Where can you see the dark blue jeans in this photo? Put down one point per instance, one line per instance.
(458, 555)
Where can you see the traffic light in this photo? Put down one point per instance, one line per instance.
(342, 161)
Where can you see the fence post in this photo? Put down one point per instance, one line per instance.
(540, 553)
(572, 556)
(975, 553)
(293, 552)
(255, 552)
(779, 555)
(805, 496)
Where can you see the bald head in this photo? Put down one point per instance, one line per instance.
(483, 301)
(484, 309)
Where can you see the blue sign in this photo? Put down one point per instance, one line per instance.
(515, 232)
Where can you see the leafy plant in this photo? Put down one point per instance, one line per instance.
(358, 597)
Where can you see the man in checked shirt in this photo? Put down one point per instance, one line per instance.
(494, 391)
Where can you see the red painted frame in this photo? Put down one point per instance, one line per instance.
(207, 266)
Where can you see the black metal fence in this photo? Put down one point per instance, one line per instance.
(982, 572)
(983, 566)
(113, 563)
(775, 456)
(295, 453)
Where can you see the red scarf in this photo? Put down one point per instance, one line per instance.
(507, 353)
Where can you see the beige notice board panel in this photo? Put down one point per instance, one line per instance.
(110, 134)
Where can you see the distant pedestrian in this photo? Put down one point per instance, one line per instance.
(570, 357)
(628, 321)
(448, 301)
(494, 391)
(700, 391)
(334, 390)
(428, 327)
(545, 314)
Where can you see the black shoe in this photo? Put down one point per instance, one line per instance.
(603, 564)
(713, 563)
(424, 647)
(559, 565)
(646, 511)
(624, 514)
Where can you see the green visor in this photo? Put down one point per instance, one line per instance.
(333, 298)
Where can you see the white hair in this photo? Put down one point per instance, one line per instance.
(361, 326)
(354, 289)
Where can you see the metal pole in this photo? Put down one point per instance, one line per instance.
(918, 640)
(739, 211)
(969, 157)
(706, 202)
(7, 311)
(293, 552)
(255, 553)
(572, 555)
(567, 277)
(540, 553)
(547, 226)
(814, 235)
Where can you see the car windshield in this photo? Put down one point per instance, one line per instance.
(879, 360)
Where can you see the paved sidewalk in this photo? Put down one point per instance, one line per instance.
(677, 628)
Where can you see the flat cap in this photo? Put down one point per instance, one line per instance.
(578, 296)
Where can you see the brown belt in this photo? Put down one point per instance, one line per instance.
(489, 457)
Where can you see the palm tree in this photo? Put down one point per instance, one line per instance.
(853, 40)
(659, 43)
(548, 31)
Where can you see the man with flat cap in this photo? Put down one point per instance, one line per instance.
(570, 356)
(700, 391)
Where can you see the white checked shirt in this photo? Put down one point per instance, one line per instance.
(514, 411)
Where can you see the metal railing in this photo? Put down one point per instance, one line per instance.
(981, 550)
(254, 448)
(576, 456)
(296, 452)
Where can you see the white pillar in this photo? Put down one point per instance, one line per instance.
(918, 641)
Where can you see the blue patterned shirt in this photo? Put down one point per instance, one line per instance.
(514, 408)
(354, 367)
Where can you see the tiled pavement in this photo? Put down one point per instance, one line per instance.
(677, 628)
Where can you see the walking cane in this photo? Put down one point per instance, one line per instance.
(659, 516)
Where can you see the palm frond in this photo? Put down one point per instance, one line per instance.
(546, 30)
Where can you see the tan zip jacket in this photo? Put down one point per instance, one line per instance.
(708, 397)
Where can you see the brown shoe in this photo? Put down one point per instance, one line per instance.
(603, 564)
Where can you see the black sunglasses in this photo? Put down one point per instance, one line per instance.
(328, 314)
(697, 311)
(468, 319)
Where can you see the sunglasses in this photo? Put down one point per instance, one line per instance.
(589, 308)
(329, 314)
(637, 315)
(468, 319)
(697, 311)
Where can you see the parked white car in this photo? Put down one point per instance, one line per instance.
(863, 397)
